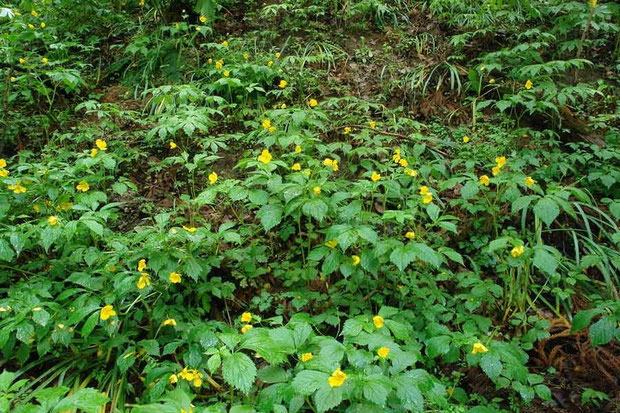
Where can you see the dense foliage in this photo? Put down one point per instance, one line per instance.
(300, 206)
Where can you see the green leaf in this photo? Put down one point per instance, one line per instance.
(470, 189)
(87, 400)
(491, 365)
(214, 362)
(544, 261)
(94, 226)
(273, 374)
(603, 331)
(376, 389)
(437, 346)
(239, 371)
(270, 216)
(315, 208)
(543, 392)
(402, 257)
(327, 398)
(6, 252)
(547, 210)
(308, 381)
(583, 318)
(426, 254)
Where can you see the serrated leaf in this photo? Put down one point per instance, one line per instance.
(603, 331)
(239, 371)
(308, 381)
(270, 216)
(327, 398)
(547, 210)
(402, 256)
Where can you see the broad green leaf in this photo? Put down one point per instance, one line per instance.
(239, 371)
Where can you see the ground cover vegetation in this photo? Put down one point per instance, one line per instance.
(309, 206)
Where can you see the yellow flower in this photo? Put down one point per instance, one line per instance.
(186, 374)
(378, 321)
(375, 176)
(332, 243)
(170, 322)
(141, 265)
(53, 220)
(31, 26)
(298, 149)
(189, 229)
(517, 251)
(282, 84)
(107, 312)
(13, 78)
(4, 173)
(428, 198)
(225, 43)
(212, 178)
(175, 277)
(335, 166)
(246, 56)
(346, 130)
(484, 180)
(528, 84)
(197, 380)
(203, 19)
(479, 348)
(265, 156)
(270, 63)
(529, 182)
(277, 55)
(356, 259)
(501, 161)
(592, 3)
(219, 64)
(93, 152)
(143, 281)
(465, 139)
(328, 162)
(82, 186)
(410, 235)
(306, 357)
(246, 328)
(337, 378)
(17, 188)
(101, 144)
(246, 317)
(296, 167)
(423, 190)
(226, 73)
(272, 129)
(266, 124)
(313, 103)
(403, 162)
(283, 106)
(173, 145)
(495, 170)
(316, 190)
(307, 172)
(491, 81)
(173, 378)
(44, 60)
(43, 25)
(411, 172)
(22, 60)
(383, 352)
(372, 124)
(34, 13)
